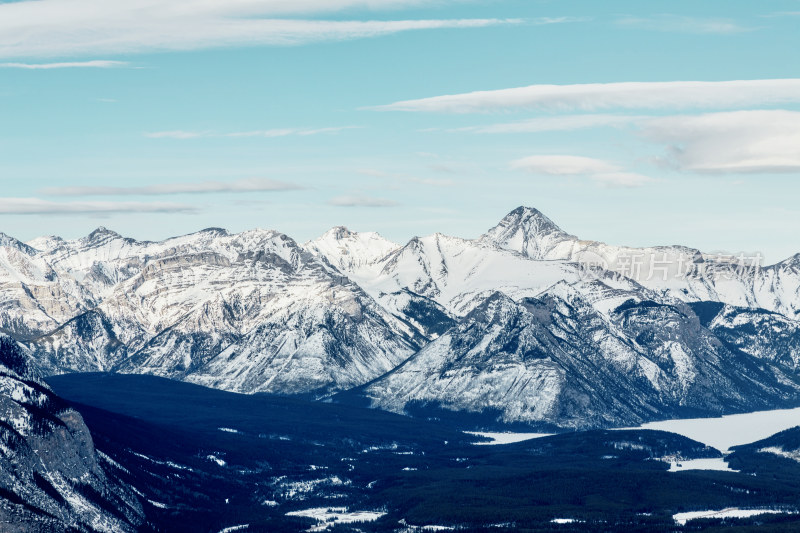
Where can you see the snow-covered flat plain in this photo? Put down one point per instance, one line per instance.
(701, 464)
(725, 432)
(330, 516)
(506, 438)
(682, 518)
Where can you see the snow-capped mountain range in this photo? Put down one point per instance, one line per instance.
(526, 320)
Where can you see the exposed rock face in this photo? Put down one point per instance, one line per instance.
(252, 312)
(51, 477)
(558, 359)
(669, 330)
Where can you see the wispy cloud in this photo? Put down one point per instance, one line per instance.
(683, 24)
(57, 28)
(563, 165)
(598, 170)
(624, 95)
(37, 206)
(407, 178)
(277, 132)
(779, 14)
(98, 63)
(558, 123)
(434, 182)
(361, 201)
(205, 187)
(762, 141)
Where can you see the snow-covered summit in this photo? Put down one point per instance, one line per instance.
(351, 251)
(528, 231)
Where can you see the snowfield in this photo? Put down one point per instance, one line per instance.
(330, 516)
(682, 518)
(701, 464)
(505, 438)
(725, 432)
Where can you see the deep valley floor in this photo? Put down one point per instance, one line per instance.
(206, 460)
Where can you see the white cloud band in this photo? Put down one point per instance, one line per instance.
(59, 28)
(361, 201)
(600, 96)
(598, 170)
(246, 185)
(97, 63)
(36, 206)
(761, 141)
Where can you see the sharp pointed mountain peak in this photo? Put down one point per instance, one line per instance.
(339, 233)
(102, 232)
(793, 261)
(529, 220)
(495, 309)
(11, 242)
(528, 231)
(222, 232)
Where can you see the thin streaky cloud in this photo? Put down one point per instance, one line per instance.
(626, 180)
(177, 134)
(563, 165)
(206, 187)
(779, 14)
(600, 171)
(407, 178)
(434, 182)
(361, 201)
(682, 24)
(277, 132)
(73, 64)
(37, 206)
(601, 96)
(559, 123)
(48, 28)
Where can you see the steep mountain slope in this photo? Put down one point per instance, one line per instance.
(247, 312)
(455, 273)
(33, 299)
(51, 478)
(757, 332)
(256, 312)
(560, 359)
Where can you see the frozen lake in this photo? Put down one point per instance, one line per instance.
(506, 438)
(725, 432)
(721, 433)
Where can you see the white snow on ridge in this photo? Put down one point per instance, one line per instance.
(794, 455)
(505, 438)
(682, 518)
(725, 432)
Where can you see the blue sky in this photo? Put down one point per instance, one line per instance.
(162, 118)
